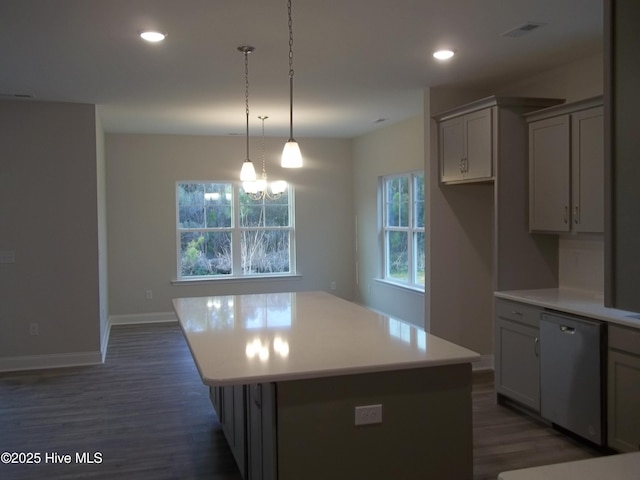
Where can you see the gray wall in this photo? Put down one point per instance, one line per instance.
(142, 171)
(49, 218)
(395, 149)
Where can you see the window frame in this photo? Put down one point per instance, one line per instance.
(235, 230)
(411, 230)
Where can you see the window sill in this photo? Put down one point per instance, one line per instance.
(200, 281)
(401, 286)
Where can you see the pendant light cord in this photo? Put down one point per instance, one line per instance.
(246, 93)
(264, 168)
(290, 71)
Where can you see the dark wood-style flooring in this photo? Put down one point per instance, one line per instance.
(148, 415)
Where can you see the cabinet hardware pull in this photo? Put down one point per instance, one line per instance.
(466, 164)
(536, 347)
(575, 215)
(569, 330)
(566, 214)
(515, 312)
(460, 165)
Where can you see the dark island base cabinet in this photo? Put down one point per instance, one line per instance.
(517, 362)
(304, 429)
(623, 404)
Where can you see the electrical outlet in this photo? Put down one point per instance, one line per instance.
(333, 285)
(368, 414)
(148, 294)
(34, 329)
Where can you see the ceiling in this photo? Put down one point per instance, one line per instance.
(356, 62)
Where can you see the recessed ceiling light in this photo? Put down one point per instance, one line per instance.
(152, 36)
(443, 54)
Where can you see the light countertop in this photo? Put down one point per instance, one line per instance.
(576, 302)
(240, 339)
(625, 466)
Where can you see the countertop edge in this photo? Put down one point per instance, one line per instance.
(337, 372)
(572, 302)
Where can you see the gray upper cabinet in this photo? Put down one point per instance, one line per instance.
(587, 167)
(566, 168)
(466, 147)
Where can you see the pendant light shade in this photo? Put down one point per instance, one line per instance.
(248, 171)
(291, 155)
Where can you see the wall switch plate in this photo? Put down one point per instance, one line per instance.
(368, 414)
(34, 329)
(7, 256)
(148, 294)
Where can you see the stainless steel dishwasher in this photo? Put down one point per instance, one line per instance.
(571, 374)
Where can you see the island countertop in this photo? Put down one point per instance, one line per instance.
(255, 338)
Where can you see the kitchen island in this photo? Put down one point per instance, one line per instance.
(308, 385)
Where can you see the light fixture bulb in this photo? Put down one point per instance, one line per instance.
(443, 54)
(152, 36)
(278, 187)
(291, 156)
(250, 187)
(248, 172)
(261, 184)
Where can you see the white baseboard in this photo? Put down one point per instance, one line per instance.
(485, 363)
(156, 317)
(55, 360)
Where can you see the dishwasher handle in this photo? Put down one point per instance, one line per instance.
(567, 330)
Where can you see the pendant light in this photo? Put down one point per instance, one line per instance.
(261, 188)
(248, 172)
(291, 156)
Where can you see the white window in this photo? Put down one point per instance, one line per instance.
(222, 232)
(403, 229)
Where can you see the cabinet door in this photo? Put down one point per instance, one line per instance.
(451, 149)
(233, 422)
(261, 430)
(624, 401)
(587, 170)
(518, 362)
(478, 163)
(549, 170)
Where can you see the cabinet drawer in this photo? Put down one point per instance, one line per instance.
(518, 312)
(626, 339)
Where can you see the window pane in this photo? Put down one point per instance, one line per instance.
(251, 216)
(397, 256)
(418, 192)
(264, 251)
(205, 253)
(218, 201)
(398, 202)
(191, 217)
(277, 216)
(264, 212)
(190, 194)
(419, 257)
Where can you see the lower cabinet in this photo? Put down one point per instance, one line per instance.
(261, 432)
(517, 354)
(247, 416)
(623, 402)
